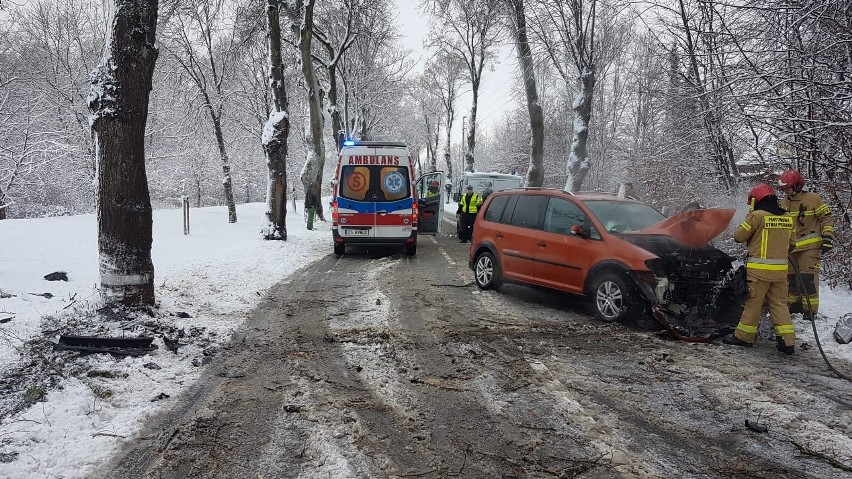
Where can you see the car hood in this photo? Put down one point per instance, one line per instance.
(693, 227)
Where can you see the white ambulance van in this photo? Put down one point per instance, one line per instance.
(374, 201)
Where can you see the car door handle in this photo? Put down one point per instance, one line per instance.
(499, 235)
(541, 243)
(382, 212)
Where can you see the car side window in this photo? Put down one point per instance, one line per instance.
(495, 208)
(529, 212)
(506, 217)
(561, 214)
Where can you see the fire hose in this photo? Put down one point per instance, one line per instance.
(801, 284)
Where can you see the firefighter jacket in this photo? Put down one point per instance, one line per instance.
(768, 238)
(811, 219)
(470, 203)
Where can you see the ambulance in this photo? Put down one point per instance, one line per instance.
(375, 199)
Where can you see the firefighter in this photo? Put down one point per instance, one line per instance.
(768, 233)
(813, 231)
(468, 206)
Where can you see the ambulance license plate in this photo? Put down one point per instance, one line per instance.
(354, 232)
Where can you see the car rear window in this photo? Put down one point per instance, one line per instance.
(374, 183)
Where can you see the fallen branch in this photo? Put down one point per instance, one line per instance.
(108, 434)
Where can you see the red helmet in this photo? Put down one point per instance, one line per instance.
(759, 192)
(791, 178)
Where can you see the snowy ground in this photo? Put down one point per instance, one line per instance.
(216, 275)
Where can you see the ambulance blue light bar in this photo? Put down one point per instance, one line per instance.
(348, 142)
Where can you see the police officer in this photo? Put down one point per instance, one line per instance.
(813, 233)
(767, 232)
(468, 206)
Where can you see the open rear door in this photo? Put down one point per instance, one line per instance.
(430, 200)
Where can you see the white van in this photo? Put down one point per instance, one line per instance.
(482, 181)
(374, 200)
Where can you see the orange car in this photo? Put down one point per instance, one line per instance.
(624, 255)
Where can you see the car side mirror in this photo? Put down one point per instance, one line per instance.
(332, 181)
(577, 230)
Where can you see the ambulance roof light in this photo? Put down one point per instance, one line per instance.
(348, 142)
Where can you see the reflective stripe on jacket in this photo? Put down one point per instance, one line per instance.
(768, 237)
(811, 219)
(473, 207)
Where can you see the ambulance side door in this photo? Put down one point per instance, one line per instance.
(430, 201)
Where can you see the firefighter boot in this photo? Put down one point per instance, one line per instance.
(735, 341)
(780, 346)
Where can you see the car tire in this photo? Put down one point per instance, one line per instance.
(613, 298)
(411, 249)
(486, 271)
(339, 249)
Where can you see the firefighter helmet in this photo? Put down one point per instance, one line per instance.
(759, 192)
(791, 178)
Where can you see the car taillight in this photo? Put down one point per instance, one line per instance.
(414, 213)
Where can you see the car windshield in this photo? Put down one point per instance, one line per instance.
(623, 216)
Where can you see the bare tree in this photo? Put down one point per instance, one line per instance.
(518, 26)
(567, 30)
(444, 77)
(205, 45)
(301, 16)
(470, 31)
(118, 99)
(276, 133)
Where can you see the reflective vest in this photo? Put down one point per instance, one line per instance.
(473, 207)
(811, 219)
(768, 237)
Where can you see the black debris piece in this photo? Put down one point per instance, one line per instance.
(172, 344)
(46, 295)
(181, 314)
(152, 366)
(57, 276)
(4, 295)
(116, 346)
(756, 426)
(6, 320)
(160, 397)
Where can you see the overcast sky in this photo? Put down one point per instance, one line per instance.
(495, 96)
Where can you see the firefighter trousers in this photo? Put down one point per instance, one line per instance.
(773, 294)
(804, 291)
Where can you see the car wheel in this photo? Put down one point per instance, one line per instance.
(613, 298)
(339, 249)
(411, 249)
(487, 272)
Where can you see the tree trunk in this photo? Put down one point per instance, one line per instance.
(118, 99)
(226, 166)
(578, 158)
(535, 173)
(471, 133)
(275, 134)
(3, 205)
(302, 24)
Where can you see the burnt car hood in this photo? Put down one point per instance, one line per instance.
(693, 227)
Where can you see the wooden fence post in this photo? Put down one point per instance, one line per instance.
(185, 201)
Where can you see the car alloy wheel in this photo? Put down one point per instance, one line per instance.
(610, 299)
(486, 271)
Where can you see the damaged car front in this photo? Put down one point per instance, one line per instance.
(695, 290)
